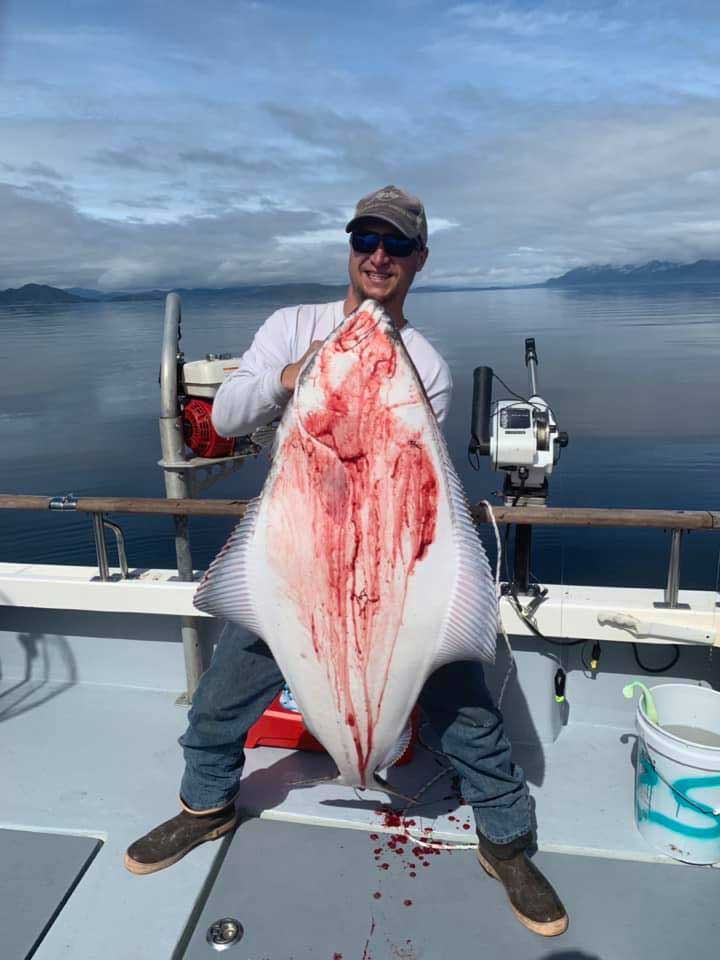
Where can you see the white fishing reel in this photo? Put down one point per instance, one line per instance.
(520, 436)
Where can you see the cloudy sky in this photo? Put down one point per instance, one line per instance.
(149, 143)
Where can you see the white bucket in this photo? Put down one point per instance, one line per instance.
(677, 780)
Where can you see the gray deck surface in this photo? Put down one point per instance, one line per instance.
(66, 757)
(301, 892)
(39, 872)
(101, 760)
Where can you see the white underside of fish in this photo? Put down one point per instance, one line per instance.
(359, 564)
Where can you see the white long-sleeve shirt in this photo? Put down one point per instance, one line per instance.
(253, 395)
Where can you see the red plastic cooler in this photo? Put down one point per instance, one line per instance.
(279, 727)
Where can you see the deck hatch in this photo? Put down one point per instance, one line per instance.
(307, 892)
(39, 872)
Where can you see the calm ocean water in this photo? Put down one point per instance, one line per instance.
(632, 376)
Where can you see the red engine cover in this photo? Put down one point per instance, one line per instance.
(199, 433)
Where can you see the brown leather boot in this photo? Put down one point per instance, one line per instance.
(532, 898)
(168, 843)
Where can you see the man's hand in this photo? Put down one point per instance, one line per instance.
(291, 371)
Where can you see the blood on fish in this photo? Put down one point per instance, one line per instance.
(365, 484)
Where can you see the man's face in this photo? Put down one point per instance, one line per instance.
(378, 276)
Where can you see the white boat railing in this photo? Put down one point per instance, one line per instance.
(674, 521)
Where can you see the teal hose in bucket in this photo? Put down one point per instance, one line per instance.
(649, 707)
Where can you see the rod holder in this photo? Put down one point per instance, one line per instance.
(120, 541)
(480, 414)
(100, 546)
(99, 523)
(672, 587)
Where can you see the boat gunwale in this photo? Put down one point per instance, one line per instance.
(537, 515)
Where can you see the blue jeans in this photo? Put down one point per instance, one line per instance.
(457, 708)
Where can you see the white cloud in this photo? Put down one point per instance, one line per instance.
(315, 238)
(438, 224)
(231, 144)
(530, 22)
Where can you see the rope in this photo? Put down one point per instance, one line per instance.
(498, 542)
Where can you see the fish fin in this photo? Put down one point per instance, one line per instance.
(470, 628)
(471, 622)
(224, 591)
(398, 748)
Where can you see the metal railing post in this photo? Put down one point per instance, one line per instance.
(672, 587)
(120, 541)
(100, 545)
(197, 654)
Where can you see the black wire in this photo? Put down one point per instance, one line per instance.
(508, 388)
(676, 657)
(564, 643)
(517, 395)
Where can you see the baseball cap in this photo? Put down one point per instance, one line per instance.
(396, 207)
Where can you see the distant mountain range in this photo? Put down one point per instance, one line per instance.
(97, 295)
(36, 293)
(40, 293)
(654, 273)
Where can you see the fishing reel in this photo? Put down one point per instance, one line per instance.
(520, 436)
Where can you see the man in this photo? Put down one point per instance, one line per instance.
(388, 246)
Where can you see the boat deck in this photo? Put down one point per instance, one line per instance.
(97, 760)
(88, 749)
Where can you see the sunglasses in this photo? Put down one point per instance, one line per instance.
(393, 246)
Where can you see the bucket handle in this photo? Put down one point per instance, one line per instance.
(700, 807)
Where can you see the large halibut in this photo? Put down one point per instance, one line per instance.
(359, 564)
